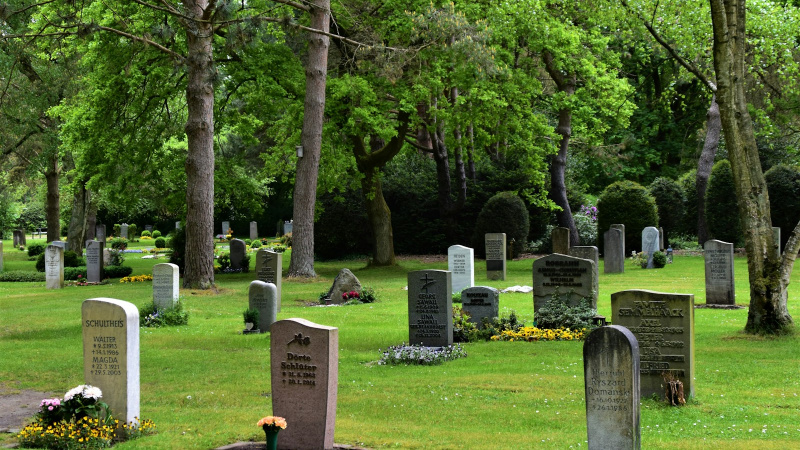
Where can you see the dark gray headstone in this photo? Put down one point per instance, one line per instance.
(560, 238)
(588, 252)
(165, 285)
(264, 297)
(111, 354)
(664, 326)
(148, 228)
(94, 261)
(345, 281)
(620, 227)
(226, 226)
(495, 256)
(461, 263)
(614, 247)
(123, 231)
(573, 277)
(54, 266)
(480, 302)
(430, 308)
(650, 244)
(304, 361)
(269, 269)
(238, 250)
(611, 376)
(661, 238)
(253, 231)
(100, 233)
(720, 286)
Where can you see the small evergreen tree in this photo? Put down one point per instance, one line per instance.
(628, 203)
(722, 207)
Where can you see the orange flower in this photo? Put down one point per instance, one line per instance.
(273, 422)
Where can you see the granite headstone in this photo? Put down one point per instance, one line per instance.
(226, 226)
(614, 247)
(495, 256)
(720, 286)
(100, 233)
(166, 288)
(480, 302)
(238, 251)
(264, 298)
(573, 277)
(123, 231)
(94, 261)
(650, 244)
(461, 263)
(588, 252)
(560, 239)
(430, 308)
(253, 231)
(269, 269)
(54, 266)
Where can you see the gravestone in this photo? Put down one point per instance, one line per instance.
(304, 360)
(94, 261)
(225, 227)
(573, 277)
(720, 287)
(111, 354)
(269, 269)
(480, 302)
(61, 244)
(560, 238)
(123, 231)
(178, 225)
(776, 236)
(148, 228)
(264, 297)
(253, 231)
(106, 256)
(238, 250)
(288, 226)
(54, 266)
(611, 377)
(661, 238)
(345, 281)
(614, 248)
(588, 252)
(650, 244)
(19, 238)
(100, 233)
(664, 326)
(461, 263)
(495, 256)
(166, 288)
(430, 308)
(620, 227)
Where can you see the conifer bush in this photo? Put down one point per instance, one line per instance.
(503, 213)
(670, 203)
(628, 203)
(722, 207)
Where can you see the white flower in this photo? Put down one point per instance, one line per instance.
(85, 391)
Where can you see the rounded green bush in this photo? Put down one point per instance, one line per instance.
(722, 207)
(156, 234)
(659, 260)
(255, 243)
(161, 242)
(503, 213)
(670, 203)
(35, 249)
(71, 259)
(146, 233)
(628, 203)
(783, 185)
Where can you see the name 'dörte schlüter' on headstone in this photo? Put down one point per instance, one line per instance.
(430, 308)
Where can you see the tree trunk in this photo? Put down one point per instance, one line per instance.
(768, 276)
(199, 271)
(704, 165)
(305, 189)
(52, 205)
(76, 233)
(380, 219)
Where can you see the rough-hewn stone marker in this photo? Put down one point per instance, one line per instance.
(264, 297)
(611, 376)
(560, 238)
(495, 256)
(111, 353)
(165, 285)
(664, 326)
(720, 287)
(480, 302)
(269, 269)
(54, 266)
(573, 277)
(461, 263)
(94, 261)
(430, 308)
(304, 360)
(650, 244)
(614, 248)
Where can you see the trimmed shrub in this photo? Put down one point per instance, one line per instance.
(688, 182)
(151, 316)
(628, 203)
(35, 249)
(783, 185)
(670, 203)
(72, 273)
(659, 260)
(71, 259)
(117, 229)
(156, 234)
(132, 230)
(255, 244)
(160, 242)
(247, 242)
(23, 275)
(146, 233)
(722, 206)
(118, 243)
(503, 213)
(117, 271)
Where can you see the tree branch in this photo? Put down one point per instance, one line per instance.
(175, 55)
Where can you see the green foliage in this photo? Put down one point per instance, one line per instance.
(247, 242)
(341, 228)
(684, 242)
(286, 240)
(146, 233)
(456, 297)
(75, 273)
(151, 316)
(224, 261)
(40, 263)
(160, 242)
(689, 183)
(783, 185)
(463, 329)
(71, 259)
(419, 355)
(722, 206)
(119, 243)
(132, 230)
(503, 213)
(255, 244)
(35, 249)
(22, 275)
(670, 203)
(116, 257)
(628, 203)
(497, 325)
(585, 219)
(250, 315)
(659, 260)
(178, 254)
(558, 313)
(117, 229)
(367, 295)
(156, 234)
(117, 271)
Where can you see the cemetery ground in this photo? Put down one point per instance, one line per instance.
(206, 384)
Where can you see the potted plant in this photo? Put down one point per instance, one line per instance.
(250, 321)
(272, 425)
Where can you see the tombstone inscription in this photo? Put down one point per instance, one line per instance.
(461, 263)
(480, 302)
(269, 269)
(573, 277)
(720, 286)
(495, 256)
(430, 308)
(94, 261)
(264, 297)
(54, 266)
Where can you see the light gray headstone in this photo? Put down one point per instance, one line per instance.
(776, 236)
(288, 226)
(225, 227)
(588, 252)
(106, 256)
(269, 269)
(614, 247)
(650, 244)
(304, 360)
(111, 353)
(664, 326)
(253, 231)
(560, 238)
(178, 225)
(461, 263)
(495, 256)
(123, 231)
(264, 297)
(54, 266)
(573, 277)
(611, 376)
(238, 250)
(430, 308)
(100, 233)
(480, 302)
(720, 287)
(94, 261)
(166, 288)
(61, 244)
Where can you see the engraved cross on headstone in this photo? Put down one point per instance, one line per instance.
(427, 281)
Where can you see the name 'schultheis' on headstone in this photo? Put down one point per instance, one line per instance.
(166, 289)
(574, 278)
(495, 256)
(480, 302)
(430, 308)
(611, 376)
(304, 359)
(664, 326)
(111, 353)
(264, 298)
(54, 266)
(269, 269)
(461, 263)
(720, 286)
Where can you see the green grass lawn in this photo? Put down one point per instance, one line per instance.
(206, 384)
